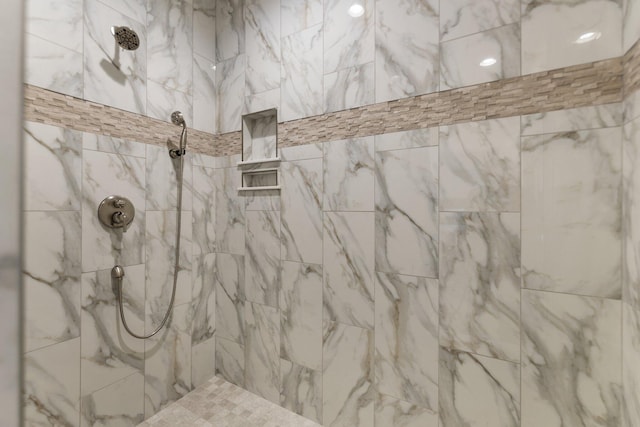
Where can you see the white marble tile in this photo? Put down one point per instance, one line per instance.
(478, 391)
(407, 48)
(167, 368)
(630, 366)
(204, 29)
(461, 58)
(134, 9)
(349, 88)
(301, 215)
(259, 137)
(348, 41)
(348, 287)
(406, 338)
(230, 33)
(203, 362)
(204, 94)
(459, 18)
(599, 116)
(109, 144)
(52, 178)
(480, 284)
(57, 20)
(630, 29)
(104, 174)
(262, 101)
(203, 300)
(162, 179)
(298, 15)
(230, 80)
(120, 404)
(571, 360)
(349, 175)
(262, 351)
(391, 412)
(302, 152)
(52, 385)
(301, 314)
(113, 76)
(203, 210)
(230, 300)
(407, 139)
(108, 352)
(630, 224)
(347, 382)
(262, 45)
(631, 106)
(162, 101)
(229, 225)
(571, 217)
(210, 162)
(480, 166)
(550, 29)
(262, 257)
(230, 361)
(302, 68)
(407, 211)
(52, 67)
(301, 390)
(51, 278)
(170, 44)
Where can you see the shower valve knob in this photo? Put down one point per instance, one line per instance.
(116, 212)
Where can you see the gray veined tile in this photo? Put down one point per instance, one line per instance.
(262, 45)
(118, 404)
(302, 152)
(460, 59)
(298, 15)
(571, 361)
(480, 283)
(51, 278)
(392, 412)
(302, 79)
(229, 224)
(349, 88)
(348, 41)
(53, 176)
(460, 18)
(480, 166)
(162, 181)
(406, 339)
(204, 94)
(349, 175)
(111, 76)
(262, 257)
(550, 29)
(478, 391)
(301, 314)
(53, 67)
(109, 144)
(301, 390)
(630, 27)
(203, 210)
(407, 48)
(301, 214)
(170, 44)
(52, 385)
(204, 29)
(163, 100)
(348, 288)
(571, 217)
(262, 101)
(630, 212)
(407, 139)
(630, 366)
(230, 82)
(407, 211)
(230, 300)
(203, 299)
(134, 9)
(230, 32)
(262, 351)
(574, 119)
(631, 106)
(59, 20)
(230, 361)
(347, 383)
(203, 361)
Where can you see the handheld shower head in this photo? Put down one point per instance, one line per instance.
(178, 119)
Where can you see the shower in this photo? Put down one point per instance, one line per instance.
(126, 37)
(117, 272)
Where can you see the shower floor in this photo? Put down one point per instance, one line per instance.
(218, 403)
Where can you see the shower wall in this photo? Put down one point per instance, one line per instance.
(70, 50)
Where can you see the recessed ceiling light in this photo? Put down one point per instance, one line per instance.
(588, 37)
(356, 10)
(488, 62)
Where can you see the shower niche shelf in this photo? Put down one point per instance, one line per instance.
(260, 162)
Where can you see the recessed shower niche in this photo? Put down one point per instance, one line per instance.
(260, 161)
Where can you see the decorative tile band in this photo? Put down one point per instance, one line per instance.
(582, 85)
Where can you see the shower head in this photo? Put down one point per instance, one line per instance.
(126, 37)
(178, 119)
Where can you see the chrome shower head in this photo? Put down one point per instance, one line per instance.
(178, 119)
(126, 37)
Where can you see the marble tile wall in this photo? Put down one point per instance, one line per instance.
(81, 367)
(383, 50)
(70, 50)
(441, 277)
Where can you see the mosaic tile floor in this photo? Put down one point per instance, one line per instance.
(218, 403)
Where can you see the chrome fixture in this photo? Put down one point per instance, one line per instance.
(178, 119)
(117, 272)
(126, 37)
(116, 212)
